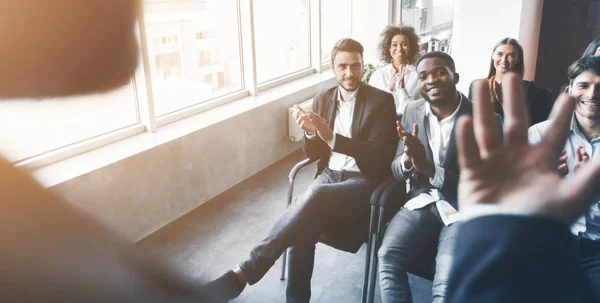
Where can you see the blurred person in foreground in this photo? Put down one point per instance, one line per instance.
(514, 243)
(52, 252)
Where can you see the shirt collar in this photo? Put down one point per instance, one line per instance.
(429, 113)
(352, 96)
(574, 128)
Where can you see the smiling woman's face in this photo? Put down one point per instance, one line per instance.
(505, 58)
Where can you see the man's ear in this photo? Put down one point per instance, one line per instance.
(456, 78)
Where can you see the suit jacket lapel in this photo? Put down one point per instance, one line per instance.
(419, 118)
(450, 161)
(359, 109)
(331, 108)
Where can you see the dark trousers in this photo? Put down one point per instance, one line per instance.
(588, 255)
(412, 233)
(334, 201)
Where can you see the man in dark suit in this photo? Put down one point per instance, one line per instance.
(351, 130)
(514, 243)
(427, 158)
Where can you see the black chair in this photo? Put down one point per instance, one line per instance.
(540, 103)
(348, 240)
(391, 197)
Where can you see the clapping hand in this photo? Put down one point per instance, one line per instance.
(322, 126)
(302, 119)
(398, 76)
(414, 151)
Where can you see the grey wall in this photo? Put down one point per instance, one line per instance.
(565, 33)
(140, 194)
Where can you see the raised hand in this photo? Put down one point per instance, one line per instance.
(322, 127)
(302, 119)
(512, 174)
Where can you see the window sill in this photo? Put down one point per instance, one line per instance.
(81, 164)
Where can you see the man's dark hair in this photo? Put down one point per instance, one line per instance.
(591, 48)
(519, 66)
(582, 65)
(346, 45)
(389, 33)
(440, 55)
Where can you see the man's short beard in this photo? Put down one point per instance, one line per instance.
(348, 90)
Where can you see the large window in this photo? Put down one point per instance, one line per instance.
(281, 30)
(194, 51)
(432, 19)
(336, 23)
(34, 126)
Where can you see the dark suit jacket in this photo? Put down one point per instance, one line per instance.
(503, 258)
(415, 113)
(374, 136)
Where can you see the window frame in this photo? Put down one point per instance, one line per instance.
(149, 122)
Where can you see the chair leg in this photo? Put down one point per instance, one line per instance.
(283, 265)
(369, 255)
(373, 266)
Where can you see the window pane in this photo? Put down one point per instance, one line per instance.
(194, 51)
(33, 126)
(281, 30)
(432, 20)
(336, 23)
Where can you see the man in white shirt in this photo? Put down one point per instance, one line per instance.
(351, 130)
(582, 144)
(514, 243)
(428, 158)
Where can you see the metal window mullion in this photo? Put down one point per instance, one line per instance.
(143, 80)
(315, 34)
(246, 18)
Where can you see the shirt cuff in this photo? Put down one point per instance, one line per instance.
(332, 143)
(438, 178)
(310, 136)
(406, 171)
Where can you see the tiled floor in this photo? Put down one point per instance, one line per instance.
(219, 234)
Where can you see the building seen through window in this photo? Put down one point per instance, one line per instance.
(432, 20)
(201, 59)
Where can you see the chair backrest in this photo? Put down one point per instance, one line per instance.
(540, 104)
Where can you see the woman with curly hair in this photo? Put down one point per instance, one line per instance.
(399, 48)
